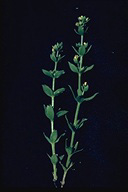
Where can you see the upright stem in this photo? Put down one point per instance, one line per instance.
(52, 127)
(75, 121)
(78, 104)
(81, 62)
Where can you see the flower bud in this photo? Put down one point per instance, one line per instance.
(85, 83)
(87, 19)
(80, 18)
(75, 59)
(85, 44)
(85, 87)
(77, 24)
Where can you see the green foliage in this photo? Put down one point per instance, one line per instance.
(69, 124)
(75, 50)
(61, 113)
(59, 91)
(49, 112)
(53, 136)
(61, 157)
(53, 57)
(60, 137)
(73, 67)
(48, 91)
(54, 159)
(80, 99)
(76, 146)
(89, 49)
(81, 49)
(68, 150)
(48, 73)
(81, 24)
(53, 74)
(56, 52)
(80, 30)
(79, 92)
(90, 98)
(72, 92)
(88, 68)
(47, 138)
(57, 74)
(80, 124)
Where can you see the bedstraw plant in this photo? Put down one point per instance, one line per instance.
(71, 146)
(49, 109)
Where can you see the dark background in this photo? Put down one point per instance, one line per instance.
(29, 29)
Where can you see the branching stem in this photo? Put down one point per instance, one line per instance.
(75, 121)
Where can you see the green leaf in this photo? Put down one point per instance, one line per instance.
(85, 88)
(59, 91)
(61, 157)
(53, 57)
(82, 50)
(63, 167)
(69, 124)
(47, 138)
(60, 137)
(76, 32)
(57, 74)
(68, 150)
(60, 57)
(75, 50)
(77, 151)
(81, 30)
(48, 73)
(49, 112)
(47, 90)
(86, 29)
(89, 49)
(49, 156)
(90, 98)
(71, 164)
(80, 99)
(82, 70)
(73, 67)
(54, 159)
(88, 68)
(80, 124)
(76, 145)
(79, 92)
(72, 92)
(53, 136)
(61, 113)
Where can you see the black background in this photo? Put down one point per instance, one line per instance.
(29, 29)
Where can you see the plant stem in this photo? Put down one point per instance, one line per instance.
(63, 179)
(73, 133)
(52, 127)
(75, 120)
(81, 62)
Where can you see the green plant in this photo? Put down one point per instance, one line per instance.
(81, 49)
(49, 109)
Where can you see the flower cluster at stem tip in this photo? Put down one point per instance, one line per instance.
(82, 20)
(56, 52)
(81, 24)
